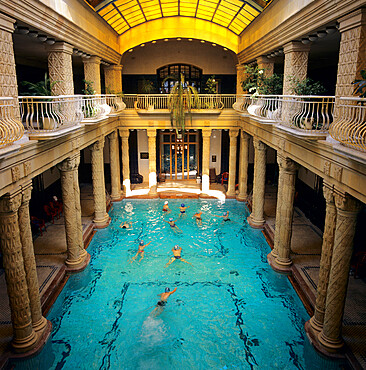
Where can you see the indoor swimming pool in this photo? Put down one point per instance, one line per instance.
(230, 310)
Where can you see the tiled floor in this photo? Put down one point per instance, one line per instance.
(50, 250)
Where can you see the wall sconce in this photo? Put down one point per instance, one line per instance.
(305, 40)
(313, 37)
(321, 34)
(42, 38)
(331, 29)
(33, 34)
(23, 30)
(50, 41)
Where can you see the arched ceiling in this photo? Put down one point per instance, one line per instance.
(123, 15)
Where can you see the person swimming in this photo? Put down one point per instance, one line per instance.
(163, 301)
(198, 216)
(166, 207)
(182, 209)
(177, 253)
(225, 216)
(140, 251)
(125, 225)
(173, 226)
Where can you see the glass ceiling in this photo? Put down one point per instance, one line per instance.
(234, 15)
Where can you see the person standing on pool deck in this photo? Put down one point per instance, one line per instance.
(141, 251)
(182, 209)
(166, 207)
(163, 301)
(174, 227)
(225, 216)
(198, 218)
(177, 252)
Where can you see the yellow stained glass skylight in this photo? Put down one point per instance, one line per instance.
(234, 15)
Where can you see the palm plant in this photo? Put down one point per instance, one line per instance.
(181, 100)
(361, 85)
(40, 88)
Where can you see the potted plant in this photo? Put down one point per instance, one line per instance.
(360, 85)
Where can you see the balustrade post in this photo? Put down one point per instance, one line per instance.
(206, 137)
(116, 193)
(124, 134)
(231, 192)
(243, 167)
(151, 133)
(92, 72)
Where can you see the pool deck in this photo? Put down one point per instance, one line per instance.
(50, 252)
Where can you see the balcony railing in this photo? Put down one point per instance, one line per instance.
(242, 103)
(349, 127)
(11, 129)
(266, 107)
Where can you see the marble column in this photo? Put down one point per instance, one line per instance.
(206, 142)
(92, 72)
(347, 210)
(113, 79)
(151, 134)
(38, 321)
(243, 167)
(285, 198)
(116, 191)
(256, 218)
(101, 217)
(240, 75)
(296, 64)
(60, 68)
(68, 169)
(266, 64)
(231, 193)
(124, 134)
(24, 336)
(317, 320)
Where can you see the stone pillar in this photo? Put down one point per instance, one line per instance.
(101, 217)
(231, 193)
(347, 211)
(92, 72)
(285, 198)
(317, 320)
(296, 64)
(151, 133)
(206, 142)
(116, 193)
(240, 75)
(38, 321)
(264, 63)
(75, 253)
(24, 337)
(60, 68)
(125, 133)
(256, 218)
(243, 167)
(113, 79)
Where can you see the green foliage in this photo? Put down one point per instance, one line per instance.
(256, 81)
(148, 87)
(361, 85)
(109, 91)
(211, 85)
(181, 100)
(250, 81)
(306, 86)
(88, 88)
(41, 88)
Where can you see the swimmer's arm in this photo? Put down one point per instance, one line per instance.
(147, 244)
(170, 293)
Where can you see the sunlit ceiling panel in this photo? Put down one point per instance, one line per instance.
(234, 15)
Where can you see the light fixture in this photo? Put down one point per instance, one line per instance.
(153, 42)
(331, 29)
(87, 56)
(75, 51)
(130, 51)
(321, 34)
(50, 40)
(280, 51)
(313, 37)
(32, 34)
(305, 40)
(166, 40)
(42, 38)
(179, 39)
(80, 53)
(273, 55)
(277, 53)
(213, 44)
(23, 30)
(142, 45)
(202, 41)
(190, 39)
(225, 49)
(269, 56)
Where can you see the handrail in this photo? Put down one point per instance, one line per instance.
(349, 126)
(11, 129)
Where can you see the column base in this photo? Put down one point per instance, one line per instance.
(153, 193)
(330, 345)
(315, 324)
(231, 195)
(276, 267)
(116, 198)
(204, 196)
(241, 198)
(25, 344)
(103, 222)
(40, 325)
(256, 224)
(72, 268)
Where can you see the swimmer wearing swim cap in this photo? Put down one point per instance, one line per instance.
(225, 216)
(173, 226)
(182, 209)
(166, 207)
(140, 251)
(198, 216)
(163, 301)
(177, 253)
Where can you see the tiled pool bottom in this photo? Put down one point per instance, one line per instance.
(230, 310)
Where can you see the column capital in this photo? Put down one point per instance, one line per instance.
(69, 164)
(240, 67)
(61, 47)
(93, 59)
(124, 133)
(206, 133)
(112, 135)
(98, 145)
(11, 202)
(264, 60)
(244, 135)
(294, 46)
(345, 202)
(259, 145)
(114, 67)
(7, 23)
(286, 164)
(352, 20)
(328, 192)
(233, 132)
(27, 192)
(151, 132)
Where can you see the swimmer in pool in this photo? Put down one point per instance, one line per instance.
(198, 216)
(125, 225)
(173, 226)
(225, 216)
(163, 301)
(166, 207)
(140, 251)
(177, 252)
(182, 209)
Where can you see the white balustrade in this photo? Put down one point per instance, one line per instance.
(267, 107)
(11, 129)
(349, 126)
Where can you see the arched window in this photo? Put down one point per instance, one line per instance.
(192, 74)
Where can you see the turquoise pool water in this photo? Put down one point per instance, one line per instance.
(230, 310)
